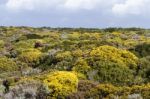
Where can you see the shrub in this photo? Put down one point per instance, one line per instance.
(113, 65)
(81, 66)
(26, 88)
(102, 91)
(74, 36)
(7, 65)
(77, 53)
(61, 83)
(111, 54)
(83, 87)
(144, 68)
(63, 55)
(114, 73)
(1, 44)
(142, 50)
(22, 45)
(30, 56)
(87, 90)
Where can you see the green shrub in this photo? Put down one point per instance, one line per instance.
(114, 73)
(144, 68)
(113, 65)
(142, 50)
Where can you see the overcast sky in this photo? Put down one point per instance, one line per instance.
(75, 13)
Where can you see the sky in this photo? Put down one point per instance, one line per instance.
(75, 13)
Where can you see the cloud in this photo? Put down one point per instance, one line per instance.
(88, 13)
(30, 4)
(19, 5)
(118, 7)
(133, 7)
(82, 4)
(42, 4)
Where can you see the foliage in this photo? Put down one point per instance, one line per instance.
(30, 56)
(77, 53)
(61, 83)
(109, 91)
(142, 50)
(144, 68)
(1, 44)
(114, 73)
(63, 55)
(7, 65)
(111, 54)
(113, 65)
(81, 66)
(28, 89)
(75, 63)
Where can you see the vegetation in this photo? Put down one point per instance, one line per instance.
(61, 83)
(7, 65)
(74, 63)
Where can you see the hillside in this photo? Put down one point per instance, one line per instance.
(74, 63)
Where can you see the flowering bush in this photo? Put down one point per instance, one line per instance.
(61, 83)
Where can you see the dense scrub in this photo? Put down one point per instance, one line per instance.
(47, 63)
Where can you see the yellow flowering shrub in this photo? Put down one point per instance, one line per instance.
(107, 88)
(109, 91)
(111, 54)
(116, 34)
(1, 44)
(61, 83)
(74, 36)
(81, 66)
(112, 65)
(7, 65)
(102, 91)
(95, 36)
(91, 36)
(63, 55)
(77, 53)
(30, 56)
(22, 45)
